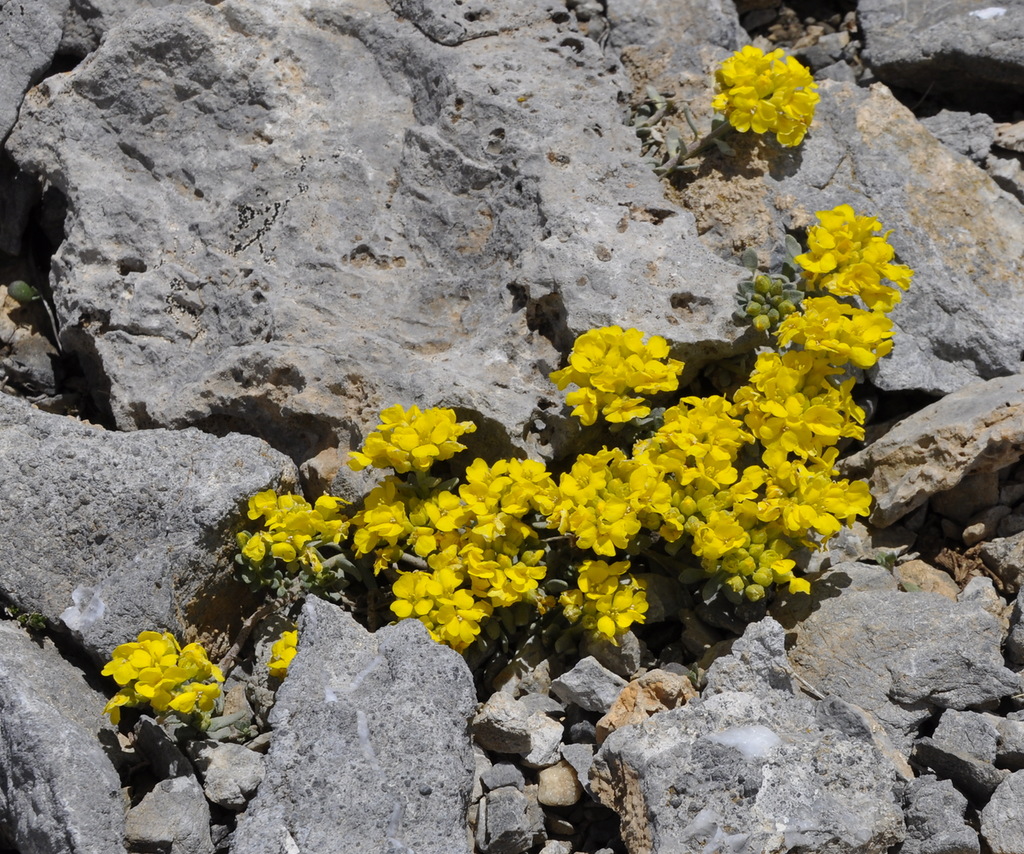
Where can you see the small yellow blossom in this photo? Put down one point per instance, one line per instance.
(770, 93)
(411, 440)
(282, 652)
(154, 670)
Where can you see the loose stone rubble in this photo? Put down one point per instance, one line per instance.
(255, 224)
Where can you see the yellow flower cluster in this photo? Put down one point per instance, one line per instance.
(411, 440)
(282, 652)
(770, 93)
(294, 528)
(610, 366)
(156, 671)
(739, 482)
(480, 552)
(607, 601)
(847, 257)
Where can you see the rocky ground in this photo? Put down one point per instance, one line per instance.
(256, 224)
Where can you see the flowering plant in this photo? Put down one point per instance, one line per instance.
(156, 671)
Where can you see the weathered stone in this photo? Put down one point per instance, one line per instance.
(503, 774)
(506, 828)
(589, 685)
(230, 773)
(899, 656)
(507, 725)
(963, 749)
(160, 751)
(1015, 636)
(117, 533)
(916, 575)
(934, 814)
(655, 691)
(622, 657)
(1010, 747)
(378, 721)
(756, 660)
(58, 789)
(963, 52)
(1005, 557)
(979, 428)
(982, 590)
(491, 206)
(985, 525)
(1002, 822)
(173, 817)
(969, 134)
(972, 494)
(30, 33)
(558, 785)
(745, 772)
(581, 757)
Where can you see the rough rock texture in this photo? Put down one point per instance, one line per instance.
(979, 428)
(965, 51)
(465, 200)
(507, 725)
(116, 533)
(30, 33)
(1002, 823)
(899, 657)
(951, 223)
(970, 134)
(749, 772)
(1005, 557)
(59, 793)
(173, 817)
(371, 747)
(935, 819)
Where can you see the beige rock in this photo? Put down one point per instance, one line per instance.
(558, 786)
(917, 575)
(653, 692)
(979, 428)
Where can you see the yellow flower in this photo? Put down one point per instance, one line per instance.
(770, 93)
(411, 440)
(611, 365)
(847, 257)
(282, 652)
(154, 670)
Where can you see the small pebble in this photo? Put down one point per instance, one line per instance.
(558, 785)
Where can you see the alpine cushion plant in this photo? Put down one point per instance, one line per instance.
(723, 489)
(155, 670)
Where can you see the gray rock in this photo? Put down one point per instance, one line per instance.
(230, 773)
(963, 52)
(1002, 822)
(1005, 557)
(160, 751)
(174, 818)
(899, 656)
(979, 428)
(117, 533)
(934, 813)
(1008, 173)
(86, 21)
(1010, 747)
(747, 773)
(30, 33)
(963, 749)
(59, 791)
(218, 228)
(581, 757)
(969, 134)
(505, 828)
(757, 661)
(1015, 636)
(985, 525)
(982, 590)
(622, 658)
(370, 748)
(971, 495)
(503, 774)
(589, 685)
(507, 725)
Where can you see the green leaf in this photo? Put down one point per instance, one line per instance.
(22, 292)
(749, 260)
(793, 247)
